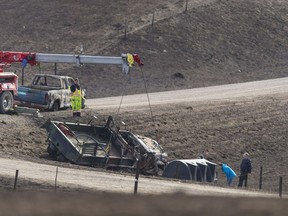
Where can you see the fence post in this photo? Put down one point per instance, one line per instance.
(23, 72)
(55, 187)
(16, 179)
(186, 6)
(280, 186)
(125, 30)
(260, 179)
(153, 18)
(137, 177)
(55, 68)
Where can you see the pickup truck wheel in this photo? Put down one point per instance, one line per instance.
(6, 102)
(56, 106)
(83, 103)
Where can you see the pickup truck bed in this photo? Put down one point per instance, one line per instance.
(30, 95)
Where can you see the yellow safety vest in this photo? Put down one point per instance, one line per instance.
(77, 92)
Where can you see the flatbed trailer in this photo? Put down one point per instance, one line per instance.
(104, 146)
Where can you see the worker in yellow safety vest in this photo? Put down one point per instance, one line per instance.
(76, 98)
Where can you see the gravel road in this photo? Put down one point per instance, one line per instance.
(215, 93)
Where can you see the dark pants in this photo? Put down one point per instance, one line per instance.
(76, 113)
(243, 178)
(229, 181)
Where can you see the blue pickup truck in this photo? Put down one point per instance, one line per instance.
(47, 92)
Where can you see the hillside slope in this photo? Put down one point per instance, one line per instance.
(213, 42)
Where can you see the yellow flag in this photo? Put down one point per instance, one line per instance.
(130, 60)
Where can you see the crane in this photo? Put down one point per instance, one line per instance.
(32, 58)
(9, 80)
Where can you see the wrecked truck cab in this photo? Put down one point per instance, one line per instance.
(147, 148)
(103, 146)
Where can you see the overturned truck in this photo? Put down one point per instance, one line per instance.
(104, 146)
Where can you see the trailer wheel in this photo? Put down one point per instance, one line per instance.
(56, 106)
(52, 152)
(6, 102)
(61, 158)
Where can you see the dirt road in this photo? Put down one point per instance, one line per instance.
(111, 182)
(230, 92)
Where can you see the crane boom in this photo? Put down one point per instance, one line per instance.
(32, 58)
(78, 59)
(83, 59)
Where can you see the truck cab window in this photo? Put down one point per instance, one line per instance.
(53, 82)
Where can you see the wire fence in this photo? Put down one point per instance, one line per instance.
(264, 181)
(56, 186)
(271, 181)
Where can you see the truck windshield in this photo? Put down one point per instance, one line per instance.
(6, 80)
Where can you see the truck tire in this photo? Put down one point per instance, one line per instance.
(56, 106)
(6, 102)
(83, 103)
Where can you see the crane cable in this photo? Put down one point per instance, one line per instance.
(118, 110)
(108, 148)
(148, 98)
(121, 101)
